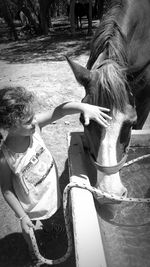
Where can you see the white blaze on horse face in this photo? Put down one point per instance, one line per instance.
(107, 156)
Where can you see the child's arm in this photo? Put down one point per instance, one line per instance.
(10, 197)
(90, 112)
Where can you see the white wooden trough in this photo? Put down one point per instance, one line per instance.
(89, 250)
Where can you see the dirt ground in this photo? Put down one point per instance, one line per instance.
(39, 65)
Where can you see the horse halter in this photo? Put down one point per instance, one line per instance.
(108, 170)
(105, 197)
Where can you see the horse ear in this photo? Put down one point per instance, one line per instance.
(82, 74)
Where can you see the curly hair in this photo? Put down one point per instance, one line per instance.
(15, 105)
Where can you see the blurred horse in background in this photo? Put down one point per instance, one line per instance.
(81, 10)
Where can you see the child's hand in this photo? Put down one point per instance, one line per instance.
(91, 112)
(26, 223)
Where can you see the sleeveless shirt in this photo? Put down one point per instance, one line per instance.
(35, 178)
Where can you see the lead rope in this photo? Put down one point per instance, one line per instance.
(135, 160)
(43, 260)
(99, 195)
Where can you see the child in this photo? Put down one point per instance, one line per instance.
(29, 180)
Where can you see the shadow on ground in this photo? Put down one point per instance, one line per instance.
(14, 252)
(53, 47)
(49, 48)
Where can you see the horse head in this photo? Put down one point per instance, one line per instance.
(105, 86)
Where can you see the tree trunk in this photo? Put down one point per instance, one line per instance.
(8, 18)
(90, 18)
(72, 16)
(100, 7)
(44, 15)
(26, 10)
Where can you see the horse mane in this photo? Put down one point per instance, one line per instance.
(112, 73)
(113, 86)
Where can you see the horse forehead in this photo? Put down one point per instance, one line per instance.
(114, 129)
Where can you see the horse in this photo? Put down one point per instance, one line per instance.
(80, 10)
(117, 76)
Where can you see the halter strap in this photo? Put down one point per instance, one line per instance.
(108, 170)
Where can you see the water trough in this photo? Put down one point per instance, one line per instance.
(111, 235)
